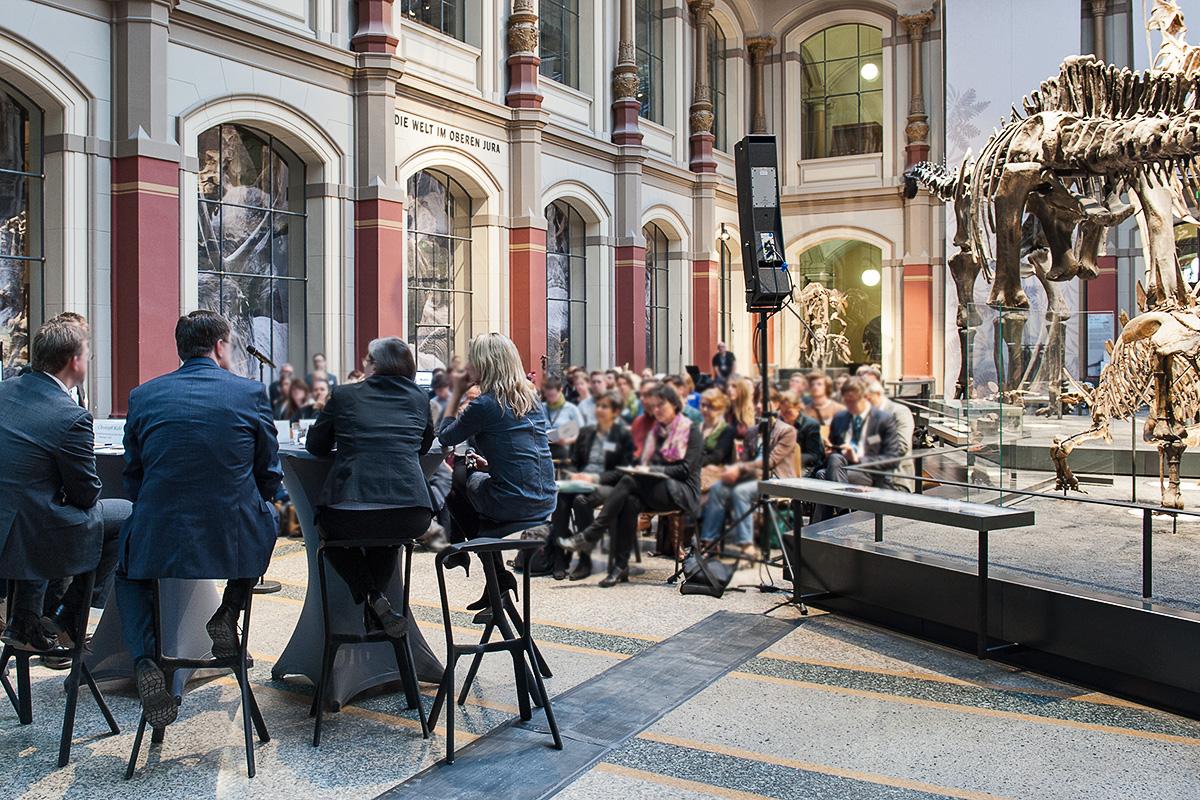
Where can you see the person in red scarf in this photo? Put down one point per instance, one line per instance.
(668, 480)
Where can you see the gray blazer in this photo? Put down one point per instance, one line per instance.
(49, 521)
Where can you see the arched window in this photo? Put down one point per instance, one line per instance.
(842, 91)
(725, 289)
(658, 265)
(649, 45)
(566, 287)
(717, 67)
(447, 16)
(21, 257)
(250, 243)
(439, 268)
(854, 268)
(559, 43)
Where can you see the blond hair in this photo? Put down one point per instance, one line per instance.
(501, 374)
(715, 398)
(743, 402)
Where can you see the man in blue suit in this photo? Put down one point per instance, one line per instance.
(201, 466)
(52, 524)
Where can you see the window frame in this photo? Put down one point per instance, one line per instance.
(725, 292)
(568, 58)
(649, 47)
(658, 266)
(34, 259)
(812, 147)
(718, 74)
(411, 11)
(576, 350)
(455, 193)
(296, 284)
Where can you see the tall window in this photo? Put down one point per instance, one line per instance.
(842, 92)
(439, 268)
(658, 255)
(725, 289)
(649, 45)
(446, 16)
(717, 67)
(559, 44)
(566, 287)
(21, 256)
(250, 243)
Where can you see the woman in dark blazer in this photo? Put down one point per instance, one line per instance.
(381, 428)
(670, 481)
(596, 455)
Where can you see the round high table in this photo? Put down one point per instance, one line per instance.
(356, 668)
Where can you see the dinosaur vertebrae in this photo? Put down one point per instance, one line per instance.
(1091, 88)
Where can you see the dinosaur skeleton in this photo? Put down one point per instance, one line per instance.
(820, 310)
(1086, 137)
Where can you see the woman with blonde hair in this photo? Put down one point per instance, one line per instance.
(508, 475)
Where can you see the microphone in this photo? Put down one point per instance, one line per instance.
(254, 351)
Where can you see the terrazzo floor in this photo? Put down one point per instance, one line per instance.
(836, 709)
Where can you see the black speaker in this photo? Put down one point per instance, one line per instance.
(768, 282)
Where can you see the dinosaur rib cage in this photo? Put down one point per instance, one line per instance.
(1127, 384)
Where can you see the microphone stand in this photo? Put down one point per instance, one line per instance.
(264, 586)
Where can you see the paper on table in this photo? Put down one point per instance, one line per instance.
(109, 431)
(640, 472)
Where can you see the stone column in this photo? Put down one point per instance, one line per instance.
(626, 106)
(917, 278)
(760, 47)
(380, 289)
(523, 61)
(527, 231)
(706, 279)
(1099, 45)
(145, 201)
(700, 117)
(916, 133)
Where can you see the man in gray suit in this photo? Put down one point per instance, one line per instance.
(52, 524)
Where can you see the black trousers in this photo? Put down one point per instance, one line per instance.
(583, 508)
(369, 569)
(630, 497)
(835, 470)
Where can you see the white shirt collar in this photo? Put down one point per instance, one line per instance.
(61, 385)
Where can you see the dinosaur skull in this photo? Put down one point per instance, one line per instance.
(1173, 333)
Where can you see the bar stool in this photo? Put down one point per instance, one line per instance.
(519, 645)
(236, 663)
(21, 698)
(401, 647)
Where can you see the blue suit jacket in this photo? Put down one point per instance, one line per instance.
(49, 522)
(201, 467)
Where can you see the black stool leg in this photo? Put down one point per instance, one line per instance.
(328, 652)
(507, 632)
(137, 746)
(24, 697)
(5, 657)
(100, 701)
(542, 666)
(409, 671)
(475, 662)
(243, 678)
(445, 691)
(68, 727)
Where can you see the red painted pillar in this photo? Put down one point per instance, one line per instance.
(527, 294)
(1102, 290)
(705, 300)
(630, 303)
(145, 272)
(917, 341)
(379, 289)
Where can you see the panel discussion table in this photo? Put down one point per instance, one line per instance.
(979, 517)
(186, 606)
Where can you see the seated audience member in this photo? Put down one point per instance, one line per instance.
(439, 390)
(644, 421)
(648, 375)
(202, 467)
(299, 403)
(859, 435)
(822, 407)
(52, 524)
(680, 386)
(737, 490)
(596, 386)
(869, 373)
(692, 397)
(560, 414)
(627, 387)
(380, 428)
(320, 370)
(509, 477)
(743, 415)
(610, 379)
(671, 460)
(715, 428)
(905, 427)
(808, 431)
(575, 385)
(320, 395)
(597, 453)
(798, 385)
(277, 392)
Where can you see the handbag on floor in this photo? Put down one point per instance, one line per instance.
(708, 576)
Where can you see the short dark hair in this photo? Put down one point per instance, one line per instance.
(391, 355)
(552, 382)
(612, 400)
(440, 380)
(667, 393)
(55, 344)
(197, 334)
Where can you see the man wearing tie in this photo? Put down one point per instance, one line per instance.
(860, 435)
(201, 466)
(52, 524)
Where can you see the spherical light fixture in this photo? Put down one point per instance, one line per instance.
(871, 277)
(869, 72)
(724, 233)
